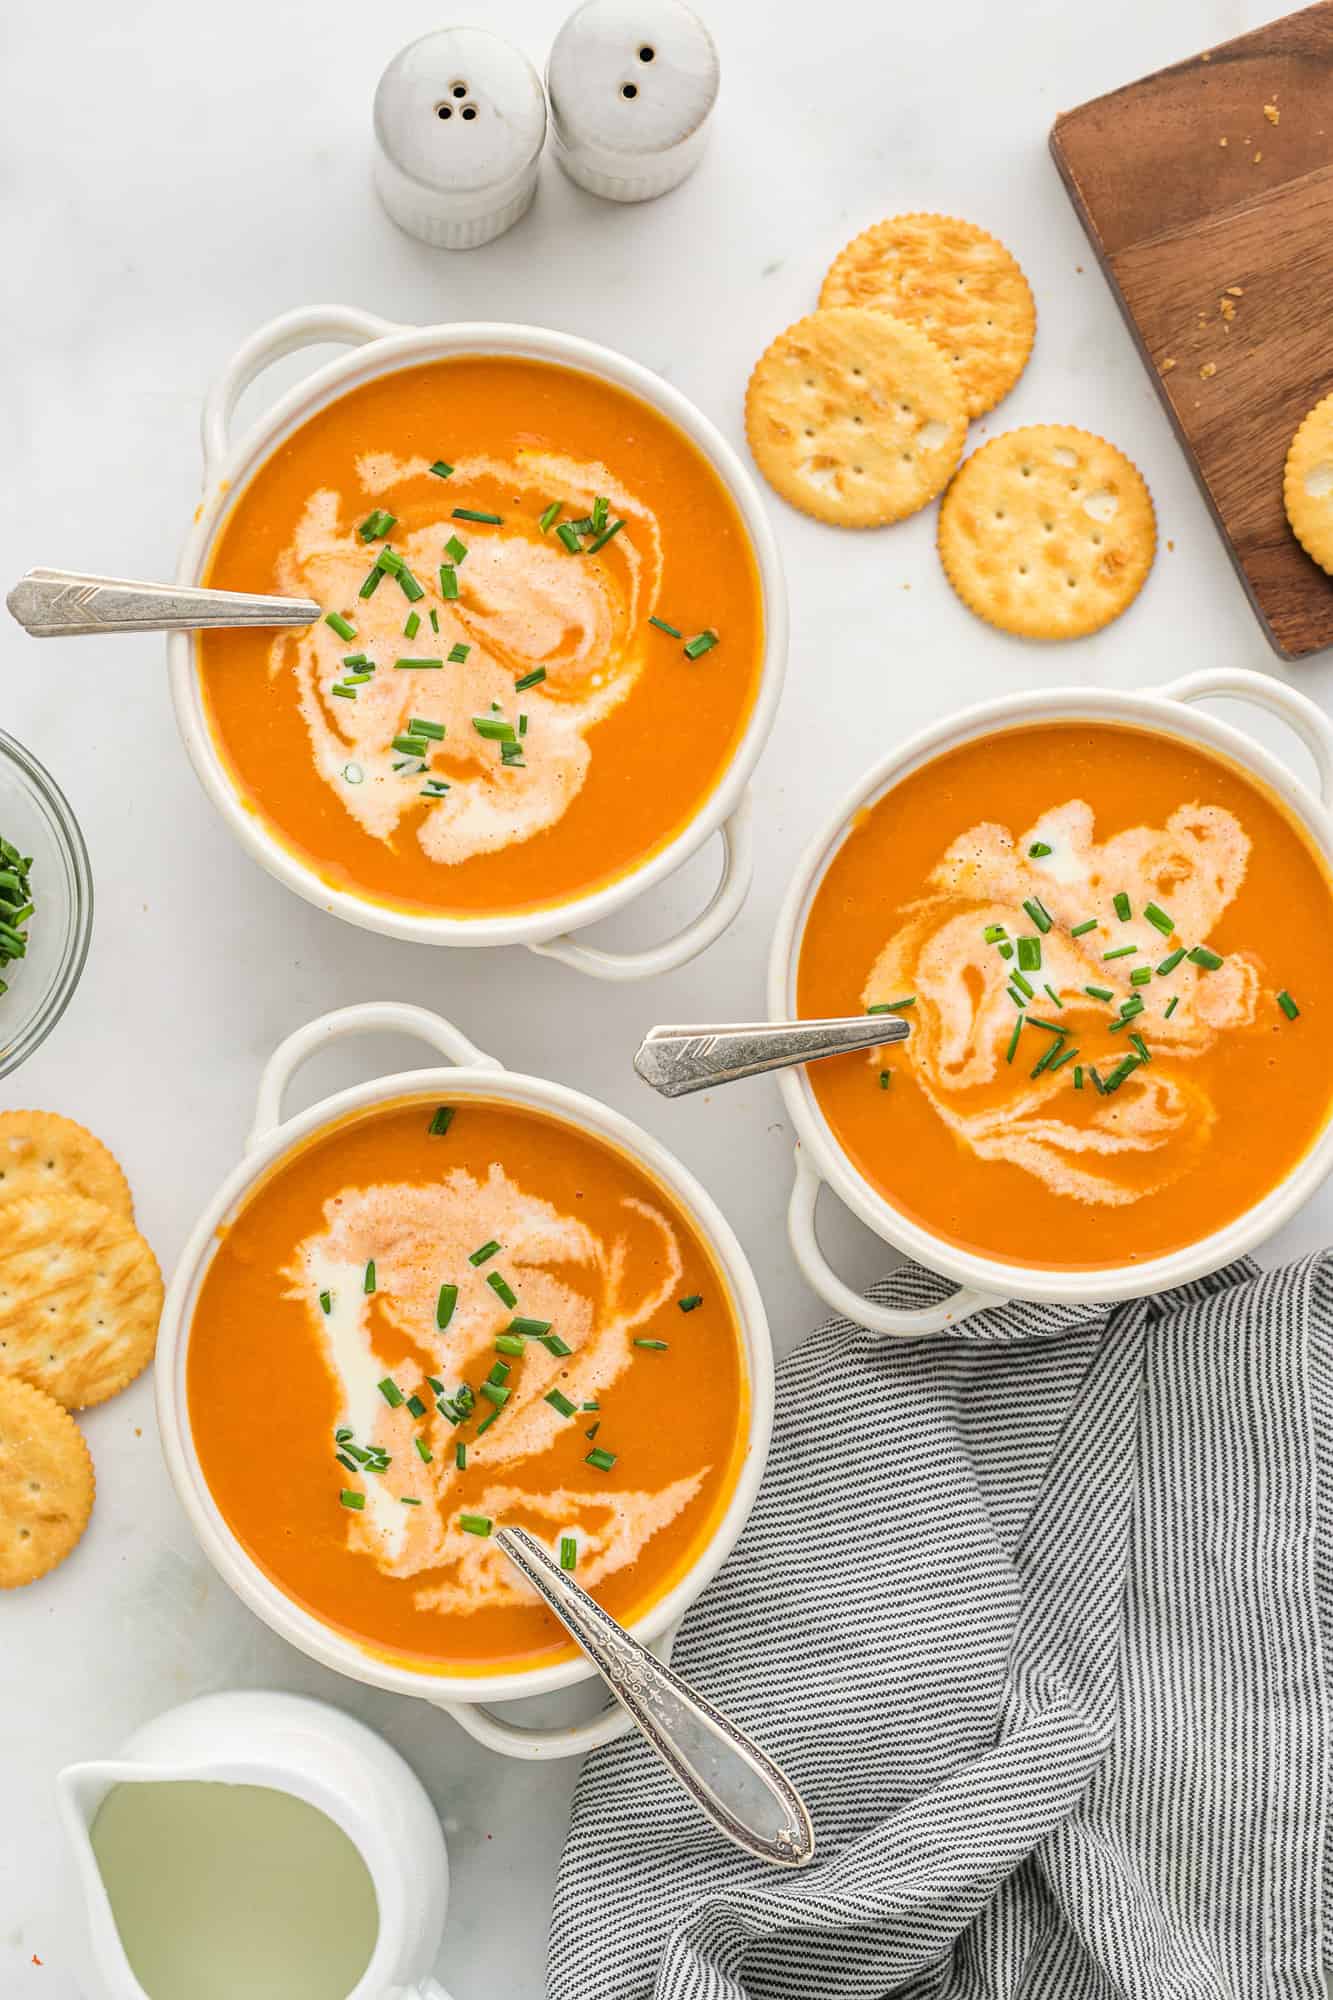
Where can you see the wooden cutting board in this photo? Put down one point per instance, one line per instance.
(1214, 224)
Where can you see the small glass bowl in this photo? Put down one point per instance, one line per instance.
(35, 817)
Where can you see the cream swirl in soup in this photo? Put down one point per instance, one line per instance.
(411, 1234)
(963, 1021)
(529, 607)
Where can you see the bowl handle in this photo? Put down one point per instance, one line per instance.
(346, 325)
(511, 1739)
(850, 1304)
(1296, 710)
(371, 1017)
(703, 930)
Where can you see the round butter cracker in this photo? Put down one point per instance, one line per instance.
(1307, 486)
(955, 282)
(80, 1297)
(1048, 532)
(855, 417)
(41, 1153)
(46, 1483)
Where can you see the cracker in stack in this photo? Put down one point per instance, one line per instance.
(1307, 487)
(80, 1298)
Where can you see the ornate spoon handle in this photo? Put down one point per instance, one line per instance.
(729, 1778)
(678, 1060)
(62, 604)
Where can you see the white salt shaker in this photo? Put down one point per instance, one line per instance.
(631, 84)
(460, 120)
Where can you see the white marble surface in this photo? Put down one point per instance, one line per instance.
(174, 175)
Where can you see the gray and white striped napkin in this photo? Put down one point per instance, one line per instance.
(1039, 1617)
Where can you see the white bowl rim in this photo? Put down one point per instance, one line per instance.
(1160, 709)
(404, 348)
(302, 1629)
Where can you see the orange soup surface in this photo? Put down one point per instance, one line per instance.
(1116, 954)
(407, 1338)
(495, 724)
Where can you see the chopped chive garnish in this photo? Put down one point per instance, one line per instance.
(500, 1372)
(603, 1460)
(455, 550)
(1101, 1087)
(493, 728)
(356, 1501)
(1039, 914)
(486, 1251)
(1078, 1076)
(601, 542)
(438, 1387)
(326, 1303)
(1053, 995)
(1158, 918)
(1140, 975)
(891, 1006)
(1006, 950)
(671, 631)
(495, 1392)
(1121, 951)
(560, 1402)
(340, 625)
(423, 1450)
(994, 932)
(434, 621)
(411, 746)
(1029, 954)
(460, 1456)
(368, 1282)
(550, 514)
(569, 1552)
(1061, 1060)
(702, 642)
(440, 1123)
(532, 680)
(1125, 1067)
(411, 665)
(474, 514)
(377, 524)
(389, 561)
(655, 1346)
(1123, 907)
(419, 726)
(555, 1345)
(601, 507)
(1048, 1055)
(1013, 1039)
(687, 1305)
(486, 1423)
(1170, 963)
(1171, 1006)
(592, 1430)
(372, 583)
(391, 1393)
(885, 1078)
(1051, 1027)
(1081, 930)
(1021, 984)
(503, 1290)
(509, 1343)
(1287, 1004)
(532, 1329)
(1201, 955)
(592, 1406)
(408, 1501)
(458, 652)
(348, 1464)
(1012, 993)
(412, 625)
(441, 468)
(1142, 1048)
(564, 533)
(415, 1406)
(1038, 850)
(448, 583)
(409, 586)
(475, 1524)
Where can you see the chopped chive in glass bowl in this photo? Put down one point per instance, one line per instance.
(35, 819)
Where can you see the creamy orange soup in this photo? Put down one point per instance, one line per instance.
(408, 1337)
(1116, 954)
(528, 705)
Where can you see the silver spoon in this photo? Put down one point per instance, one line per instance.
(729, 1778)
(678, 1060)
(62, 604)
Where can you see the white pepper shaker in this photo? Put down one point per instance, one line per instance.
(631, 85)
(460, 120)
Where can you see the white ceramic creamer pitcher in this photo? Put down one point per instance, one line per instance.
(314, 1754)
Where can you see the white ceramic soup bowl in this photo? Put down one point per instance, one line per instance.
(820, 1159)
(272, 1139)
(380, 347)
